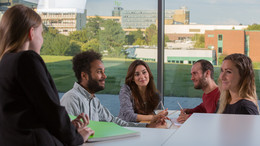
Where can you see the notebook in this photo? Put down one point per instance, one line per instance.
(108, 131)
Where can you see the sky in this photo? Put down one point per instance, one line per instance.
(219, 12)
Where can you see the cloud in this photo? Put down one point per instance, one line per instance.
(61, 5)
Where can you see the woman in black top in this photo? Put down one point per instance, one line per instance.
(30, 111)
(237, 85)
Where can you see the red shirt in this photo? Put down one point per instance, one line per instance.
(209, 103)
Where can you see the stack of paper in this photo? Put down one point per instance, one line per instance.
(108, 131)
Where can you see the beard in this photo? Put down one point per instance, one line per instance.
(202, 83)
(93, 85)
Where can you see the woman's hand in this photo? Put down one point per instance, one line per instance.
(81, 123)
(163, 112)
(158, 121)
(86, 132)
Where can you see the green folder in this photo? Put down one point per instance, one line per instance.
(107, 130)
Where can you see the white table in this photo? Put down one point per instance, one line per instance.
(147, 137)
(217, 130)
(171, 114)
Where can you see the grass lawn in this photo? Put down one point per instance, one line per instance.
(176, 76)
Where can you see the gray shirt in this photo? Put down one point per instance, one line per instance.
(78, 100)
(127, 112)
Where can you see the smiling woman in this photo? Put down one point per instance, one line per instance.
(139, 97)
(237, 86)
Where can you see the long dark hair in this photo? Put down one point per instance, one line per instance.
(151, 92)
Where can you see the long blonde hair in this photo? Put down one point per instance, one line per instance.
(247, 88)
(15, 26)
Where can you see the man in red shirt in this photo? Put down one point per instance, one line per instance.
(202, 73)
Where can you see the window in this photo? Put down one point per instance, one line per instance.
(117, 57)
(219, 49)
(220, 37)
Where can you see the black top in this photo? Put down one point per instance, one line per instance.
(30, 110)
(242, 106)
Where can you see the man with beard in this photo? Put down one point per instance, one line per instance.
(202, 73)
(90, 73)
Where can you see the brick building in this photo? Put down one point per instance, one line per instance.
(234, 41)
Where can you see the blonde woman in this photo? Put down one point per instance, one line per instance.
(237, 85)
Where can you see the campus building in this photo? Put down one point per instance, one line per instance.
(9, 3)
(181, 16)
(225, 42)
(144, 18)
(117, 11)
(171, 55)
(114, 18)
(64, 20)
(5, 4)
(186, 32)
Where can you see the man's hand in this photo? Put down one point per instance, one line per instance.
(183, 116)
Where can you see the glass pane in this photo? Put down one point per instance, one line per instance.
(121, 30)
(127, 32)
(207, 30)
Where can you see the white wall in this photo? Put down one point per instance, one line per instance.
(185, 29)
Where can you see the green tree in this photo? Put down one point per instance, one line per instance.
(139, 42)
(253, 27)
(112, 38)
(55, 44)
(91, 31)
(150, 35)
(93, 27)
(221, 58)
(91, 45)
(129, 39)
(74, 48)
(52, 30)
(199, 40)
(133, 36)
(80, 35)
(137, 34)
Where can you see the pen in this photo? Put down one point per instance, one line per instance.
(162, 105)
(180, 106)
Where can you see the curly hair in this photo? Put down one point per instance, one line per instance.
(247, 87)
(81, 62)
(152, 93)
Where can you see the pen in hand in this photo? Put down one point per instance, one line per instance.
(162, 105)
(181, 107)
(163, 111)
